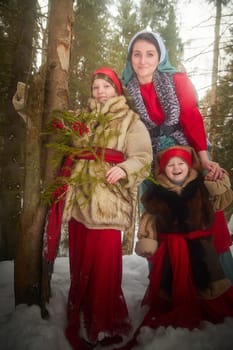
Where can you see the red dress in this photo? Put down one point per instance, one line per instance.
(191, 120)
(96, 270)
(95, 257)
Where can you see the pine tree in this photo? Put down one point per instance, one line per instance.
(89, 47)
(215, 71)
(48, 91)
(224, 123)
(173, 41)
(15, 58)
(223, 116)
(124, 25)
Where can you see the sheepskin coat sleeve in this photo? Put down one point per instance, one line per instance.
(221, 194)
(96, 203)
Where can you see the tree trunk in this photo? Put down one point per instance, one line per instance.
(28, 252)
(58, 62)
(213, 124)
(18, 60)
(29, 287)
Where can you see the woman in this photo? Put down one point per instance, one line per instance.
(166, 102)
(107, 166)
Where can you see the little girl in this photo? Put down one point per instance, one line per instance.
(186, 282)
(99, 210)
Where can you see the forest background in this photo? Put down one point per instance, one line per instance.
(53, 50)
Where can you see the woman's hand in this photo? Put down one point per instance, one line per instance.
(114, 174)
(215, 172)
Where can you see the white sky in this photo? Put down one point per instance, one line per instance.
(196, 21)
(23, 329)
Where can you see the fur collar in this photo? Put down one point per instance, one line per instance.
(175, 194)
(115, 106)
(165, 182)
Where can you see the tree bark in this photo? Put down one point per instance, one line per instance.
(31, 287)
(215, 76)
(18, 58)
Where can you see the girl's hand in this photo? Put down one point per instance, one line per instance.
(114, 174)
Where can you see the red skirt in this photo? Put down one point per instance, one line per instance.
(96, 275)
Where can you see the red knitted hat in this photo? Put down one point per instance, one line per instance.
(175, 152)
(110, 74)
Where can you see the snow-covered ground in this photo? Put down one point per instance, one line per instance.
(22, 328)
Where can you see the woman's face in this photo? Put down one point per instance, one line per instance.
(144, 59)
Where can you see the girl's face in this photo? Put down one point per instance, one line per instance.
(176, 170)
(102, 90)
(144, 59)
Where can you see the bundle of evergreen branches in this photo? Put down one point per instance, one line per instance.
(72, 134)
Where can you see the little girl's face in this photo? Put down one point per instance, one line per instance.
(176, 170)
(102, 90)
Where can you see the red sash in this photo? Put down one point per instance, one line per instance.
(183, 288)
(109, 155)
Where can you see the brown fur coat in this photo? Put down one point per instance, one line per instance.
(183, 209)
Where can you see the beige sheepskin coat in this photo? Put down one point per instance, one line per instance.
(94, 202)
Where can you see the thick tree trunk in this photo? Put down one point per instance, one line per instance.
(30, 285)
(27, 269)
(20, 44)
(214, 110)
(58, 61)
(59, 47)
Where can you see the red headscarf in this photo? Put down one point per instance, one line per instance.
(110, 74)
(175, 152)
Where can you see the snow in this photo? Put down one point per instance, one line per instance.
(22, 328)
